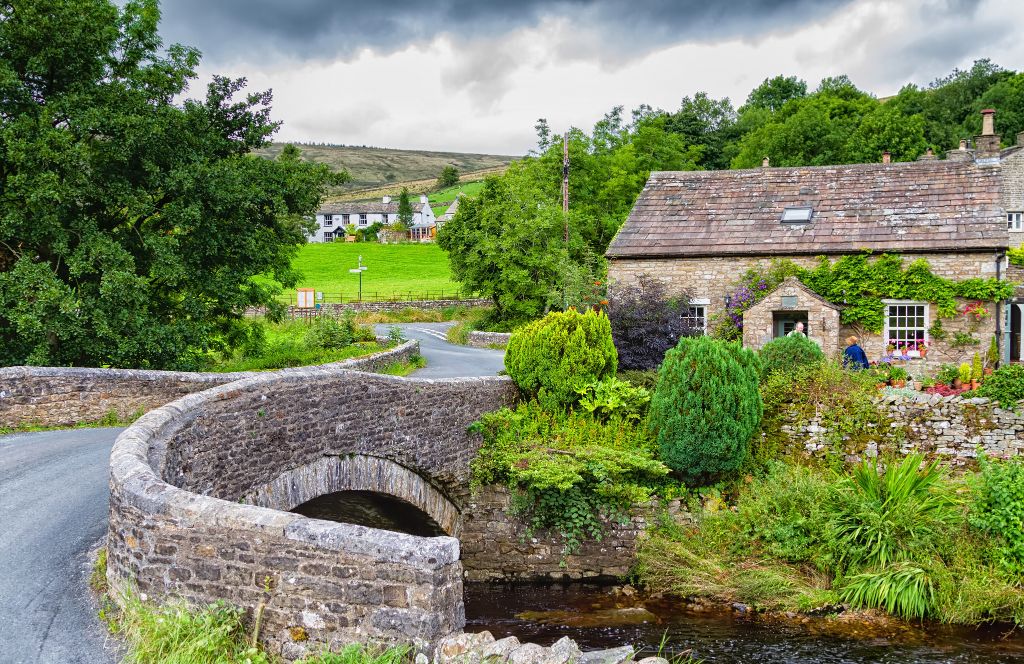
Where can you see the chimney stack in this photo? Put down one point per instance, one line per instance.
(765, 162)
(988, 122)
(387, 199)
(963, 144)
(928, 155)
(886, 157)
(988, 143)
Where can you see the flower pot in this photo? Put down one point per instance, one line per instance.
(918, 385)
(988, 371)
(974, 384)
(880, 385)
(914, 353)
(957, 383)
(899, 383)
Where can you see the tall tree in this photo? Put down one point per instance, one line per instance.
(404, 210)
(773, 93)
(449, 177)
(131, 226)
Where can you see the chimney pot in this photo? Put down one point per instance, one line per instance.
(886, 157)
(963, 143)
(765, 162)
(387, 199)
(988, 127)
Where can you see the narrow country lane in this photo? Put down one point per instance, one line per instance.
(53, 510)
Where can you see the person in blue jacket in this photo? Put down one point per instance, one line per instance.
(854, 356)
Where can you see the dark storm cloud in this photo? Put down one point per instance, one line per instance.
(330, 29)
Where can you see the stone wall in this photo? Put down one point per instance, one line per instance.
(1012, 169)
(478, 339)
(497, 547)
(64, 396)
(397, 305)
(714, 278)
(177, 527)
(951, 428)
(822, 317)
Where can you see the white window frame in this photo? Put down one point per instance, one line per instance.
(344, 219)
(702, 304)
(328, 236)
(362, 220)
(1015, 221)
(328, 220)
(889, 331)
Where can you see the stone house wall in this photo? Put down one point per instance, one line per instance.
(1012, 168)
(64, 396)
(822, 318)
(950, 428)
(713, 278)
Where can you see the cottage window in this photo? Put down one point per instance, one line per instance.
(362, 220)
(328, 236)
(384, 217)
(344, 219)
(1015, 221)
(328, 220)
(905, 324)
(696, 316)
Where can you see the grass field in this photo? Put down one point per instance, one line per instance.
(391, 269)
(440, 200)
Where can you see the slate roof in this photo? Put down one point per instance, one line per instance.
(920, 206)
(371, 207)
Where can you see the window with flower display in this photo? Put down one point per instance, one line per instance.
(905, 324)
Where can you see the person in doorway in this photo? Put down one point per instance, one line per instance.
(798, 331)
(854, 356)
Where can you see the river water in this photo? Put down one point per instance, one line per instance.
(606, 617)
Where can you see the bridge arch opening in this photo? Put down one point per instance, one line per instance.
(361, 489)
(372, 509)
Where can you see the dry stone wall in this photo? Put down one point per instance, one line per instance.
(64, 396)
(951, 428)
(177, 527)
(479, 339)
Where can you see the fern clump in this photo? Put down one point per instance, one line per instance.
(551, 359)
(706, 408)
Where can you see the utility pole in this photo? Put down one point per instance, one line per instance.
(565, 209)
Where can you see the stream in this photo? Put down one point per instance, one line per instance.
(598, 616)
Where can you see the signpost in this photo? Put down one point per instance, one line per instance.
(359, 270)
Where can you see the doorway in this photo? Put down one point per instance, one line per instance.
(784, 322)
(1015, 331)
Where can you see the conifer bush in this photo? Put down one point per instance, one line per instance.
(552, 358)
(706, 408)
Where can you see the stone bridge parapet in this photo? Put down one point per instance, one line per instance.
(182, 475)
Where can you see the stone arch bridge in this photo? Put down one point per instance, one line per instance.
(199, 490)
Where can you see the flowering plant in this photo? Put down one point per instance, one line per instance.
(977, 310)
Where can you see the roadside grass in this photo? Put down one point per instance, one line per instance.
(413, 315)
(477, 319)
(403, 368)
(111, 419)
(392, 269)
(98, 576)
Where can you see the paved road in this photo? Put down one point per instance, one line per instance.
(53, 510)
(445, 360)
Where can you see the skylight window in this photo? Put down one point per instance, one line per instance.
(796, 215)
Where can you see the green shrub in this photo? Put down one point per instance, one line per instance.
(947, 374)
(612, 397)
(977, 370)
(899, 515)
(1005, 385)
(568, 471)
(329, 332)
(998, 510)
(645, 379)
(904, 590)
(552, 358)
(705, 408)
(964, 373)
(788, 353)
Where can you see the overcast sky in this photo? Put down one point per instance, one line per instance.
(474, 75)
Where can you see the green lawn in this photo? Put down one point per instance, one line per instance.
(420, 269)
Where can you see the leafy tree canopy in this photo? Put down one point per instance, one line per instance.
(131, 225)
(449, 177)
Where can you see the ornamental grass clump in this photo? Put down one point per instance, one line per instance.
(706, 408)
(552, 358)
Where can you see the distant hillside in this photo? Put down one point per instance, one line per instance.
(382, 168)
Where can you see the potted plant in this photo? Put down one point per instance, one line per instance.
(898, 377)
(963, 376)
(947, 374)
(922, 348)
(976, 371)
(992, 356)
(891, 346)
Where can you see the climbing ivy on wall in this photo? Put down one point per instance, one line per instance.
(860, 282)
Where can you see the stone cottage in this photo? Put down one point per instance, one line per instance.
(699, 231)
